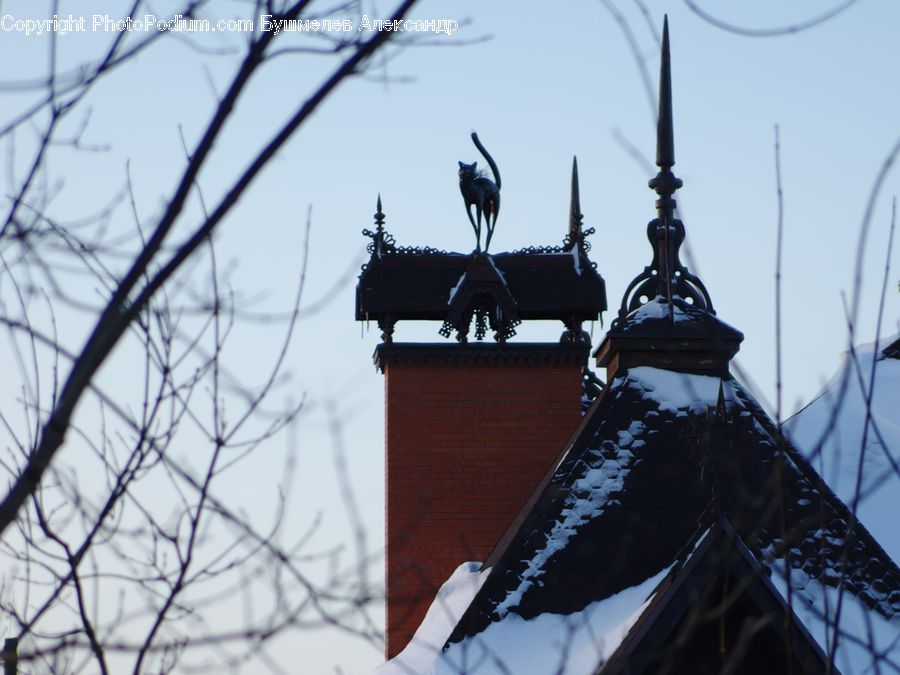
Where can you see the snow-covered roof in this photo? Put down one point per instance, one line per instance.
(658, 457)
(421, 655)
(654, 318)
(834, 435)
(650, 464)
(562, 644)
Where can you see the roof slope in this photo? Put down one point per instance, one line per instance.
(707, 600)
(650, 465)
(840, 410)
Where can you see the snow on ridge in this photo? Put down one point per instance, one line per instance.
(455, 289)
(657, 308)
(497, 270)
(679, 391)
(451, 601)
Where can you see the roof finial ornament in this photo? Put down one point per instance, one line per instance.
(575, 215)
(666, 183)
(382, 241)
(379, 216)
(665, 278)
(665, 135)
(378, 239)
(576, 239)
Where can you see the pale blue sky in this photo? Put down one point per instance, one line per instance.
(549, 81)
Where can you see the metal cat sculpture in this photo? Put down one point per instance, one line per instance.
(481, 192)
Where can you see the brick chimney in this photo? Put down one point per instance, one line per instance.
(470, 428)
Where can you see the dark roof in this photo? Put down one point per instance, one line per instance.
(665, 450)
(667, 334)
(892, 351)
(707, 599)
(648, 464)
(405, 286)
(651, 321)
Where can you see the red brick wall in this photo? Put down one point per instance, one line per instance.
(465, 447)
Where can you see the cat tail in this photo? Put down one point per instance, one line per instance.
(490, 160)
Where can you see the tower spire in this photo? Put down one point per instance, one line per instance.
(666, 319)
(665, 278)
(665, 138)
(666, 183)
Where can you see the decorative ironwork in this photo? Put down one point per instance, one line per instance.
(386, 324)
(482, 295)
(565, 247)
(577, 235)
(397, 284)
(543, 248)
(383, 242)
(418, 250)
(503, 328)
(666, 276)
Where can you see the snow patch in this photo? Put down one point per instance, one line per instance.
(676, 392)
(570, 644)
(867, 642)
(455, 289)
(576, 257)
(497, 270)
(590, 495)
(657, 308)
(448, 606)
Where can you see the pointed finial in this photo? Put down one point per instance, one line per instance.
(379, 216)
(665, 137)
(669, 230)
(378, 237)
(665, 183)
(665, 277)
(575, 215)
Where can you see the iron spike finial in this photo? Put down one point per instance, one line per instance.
(379, 216)
(378, 237)
(665, 137)
(575, 215)
(665, 277)
(665, 183)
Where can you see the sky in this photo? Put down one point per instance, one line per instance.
(539, 83)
